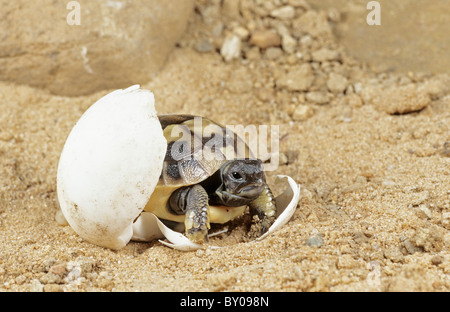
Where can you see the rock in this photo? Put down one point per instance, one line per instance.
(50, 278)
(203, 46)
(302, 112)
(58, 269)
(265, 39)
(117, 43)
(60, 219)
(337, 83)
(446, 220)
(288, 43)
(393, 254)
(324, 55)
(396, 100)
(230, 8)
(446, 149)
(346, 262)
(231, 48)
(241, 32)
(354, 100)
(315, 240)
(273, 53)
(284, 13)
(253, 53)
(436, 260)
(409, 247)
(429, 238)
(300, 78)
(20, 279)
(317, 97)
(423, 212)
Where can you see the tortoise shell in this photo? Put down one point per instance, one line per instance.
(196, 148)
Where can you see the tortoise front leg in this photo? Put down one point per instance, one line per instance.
(193, 202)
(262, 210)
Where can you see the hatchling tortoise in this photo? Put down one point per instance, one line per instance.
(209, 176)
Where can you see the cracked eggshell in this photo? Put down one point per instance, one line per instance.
(148, 227)
(110, 165)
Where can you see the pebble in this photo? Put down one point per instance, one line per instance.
(241, 32)
(436, 260)
(302, 113)
(300, 78)
(324, 55)
(21, 279)
(58, 269)
(283, 159)
(50, 278)
(288, 43)
(429, 238)
(318, 97)
(337, 83)
(446, 149)
(231, 48)
(284, 13)
(315, 240)
(217, 29)
(265, 39)
(446, 220)
(410, 247)
(423, 212)
(273, 53)
(394, 254)
(253, 53)
(396, 100)
(60, 219)
(346, 262)
(354, 101)
(264, 94)
(203, 46)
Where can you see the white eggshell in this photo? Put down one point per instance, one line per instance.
(148, 227)
(110, 165)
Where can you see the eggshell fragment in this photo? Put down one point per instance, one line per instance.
(110, 165)
(148, 227)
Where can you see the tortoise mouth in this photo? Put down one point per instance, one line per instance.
(251, 191)
(232, 200)
(242, 197)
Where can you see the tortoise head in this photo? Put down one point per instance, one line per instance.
(243, 181)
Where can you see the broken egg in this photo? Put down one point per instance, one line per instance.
(148, 227)
(109, 167)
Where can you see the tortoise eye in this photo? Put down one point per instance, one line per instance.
(236, 175)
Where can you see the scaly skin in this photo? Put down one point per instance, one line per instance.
(197, 215)
(264, 207)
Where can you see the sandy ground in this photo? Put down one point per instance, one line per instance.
(375, 208)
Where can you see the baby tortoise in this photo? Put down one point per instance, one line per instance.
(209, 175)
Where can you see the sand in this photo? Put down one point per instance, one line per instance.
(374, 213)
